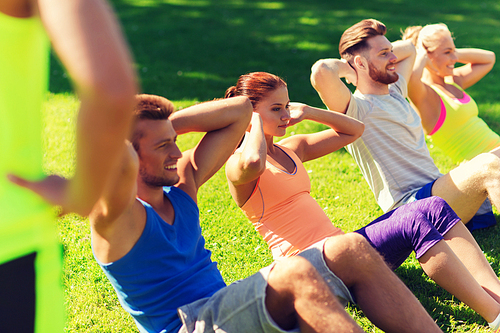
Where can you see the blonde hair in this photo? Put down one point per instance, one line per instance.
(429, 35)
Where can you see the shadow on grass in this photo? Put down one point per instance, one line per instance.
(445, 309)
(489, 241)
(194, 50)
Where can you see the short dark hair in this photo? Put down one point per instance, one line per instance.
(149, 107)
(354, 39)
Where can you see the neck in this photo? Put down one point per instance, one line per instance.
(152, 195)
(367, 86)
(159, 202)
(431, 77)
(270, 144)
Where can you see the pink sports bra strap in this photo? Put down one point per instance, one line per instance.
(442, 116)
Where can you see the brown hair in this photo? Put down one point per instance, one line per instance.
(150, 107)
(354, 39)
(255, 86)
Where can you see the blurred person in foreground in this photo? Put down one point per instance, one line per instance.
(88, 41)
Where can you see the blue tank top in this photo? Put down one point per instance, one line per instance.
(168, 267)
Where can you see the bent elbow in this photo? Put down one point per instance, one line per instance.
(254, 164)
(245, 106)
(356, 133)
(111, 102)
(360, 131)
(112, 90)
(318, 72)
(119, 92)
(244, 109)
(317, 68)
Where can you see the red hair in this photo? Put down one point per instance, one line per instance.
(255, 86)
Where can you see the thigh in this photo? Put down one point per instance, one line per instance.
(17, 295)
(416, 226)
(462, 188)
(390, 237)
(315, 255)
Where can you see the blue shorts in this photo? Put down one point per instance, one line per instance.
(416, 226)
(240, 307)
(484, 217)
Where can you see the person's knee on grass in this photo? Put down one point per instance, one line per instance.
(297, 296)
(351, 257)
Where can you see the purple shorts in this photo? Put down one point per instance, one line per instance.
(416, 226)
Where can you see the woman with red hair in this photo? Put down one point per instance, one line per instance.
(269, 183)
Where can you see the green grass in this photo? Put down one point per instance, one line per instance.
(192, 50)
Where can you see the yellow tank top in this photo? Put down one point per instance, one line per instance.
(462, 134)
(25, 219)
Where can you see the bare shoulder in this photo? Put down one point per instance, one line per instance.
(186, 170)
(114, 236)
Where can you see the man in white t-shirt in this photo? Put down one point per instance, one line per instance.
(392, 153)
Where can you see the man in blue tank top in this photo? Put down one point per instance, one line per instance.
(146, 236)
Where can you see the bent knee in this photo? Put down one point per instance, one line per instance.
(486, 163)
(350, 240)
(292, 267)
(429, 207)
(351, 257)
(351, 246)
(290, 273)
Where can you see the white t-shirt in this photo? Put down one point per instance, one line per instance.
(391, 153)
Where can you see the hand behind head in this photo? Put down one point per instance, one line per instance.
(297, 113)
(352, 76)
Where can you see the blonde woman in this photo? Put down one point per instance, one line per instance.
(437, 91)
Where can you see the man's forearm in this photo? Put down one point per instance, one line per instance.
(211, 116)
(403, 49)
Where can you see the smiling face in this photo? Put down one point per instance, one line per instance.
(274, 111)
(158, 153)
(381, 60)
(443, 57)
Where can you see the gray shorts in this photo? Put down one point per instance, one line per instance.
(240, 307)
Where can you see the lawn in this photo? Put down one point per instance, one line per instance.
(192, 50)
